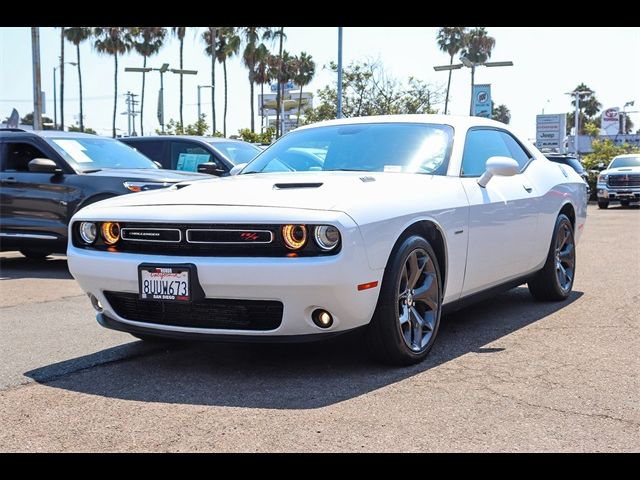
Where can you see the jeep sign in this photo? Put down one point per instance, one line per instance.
(550, 131)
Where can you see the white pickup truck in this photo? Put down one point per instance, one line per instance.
(620, 182)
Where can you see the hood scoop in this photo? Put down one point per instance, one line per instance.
(286, 186)
(624, 169)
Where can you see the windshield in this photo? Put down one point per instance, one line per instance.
(625, 162)
(371, 147)
(85, 154)
(237, 152)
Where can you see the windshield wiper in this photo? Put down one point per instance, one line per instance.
(94, 170)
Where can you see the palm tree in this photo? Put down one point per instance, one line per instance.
(451, 41)
(305, 69)
(477, 49)
(280, 34)
(209, 36)
(113, 41)
(180, 32)
(250, 37)
(500, 113)
(77, 35)
(62, 78)
(228, 45)
(262, 74)
(283, 68)
(148, 42)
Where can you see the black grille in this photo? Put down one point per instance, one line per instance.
(207, 313)
(622, 180)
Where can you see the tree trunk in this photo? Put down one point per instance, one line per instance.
(213, 81)
(446, 99)
(299, 107)
(278, 96)
(224, 122)
(115, 94)
(473, 72)
(62, 78)
(144, 65)
(262, 107)
(253, 125)
(80, 88)
(181, 77)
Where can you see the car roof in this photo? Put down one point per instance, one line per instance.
(49, 133)
(184, 137)
(462, 121)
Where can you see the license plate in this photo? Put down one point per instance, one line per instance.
(171, 284)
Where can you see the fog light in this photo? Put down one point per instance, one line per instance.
(322, 318)
(95, 303)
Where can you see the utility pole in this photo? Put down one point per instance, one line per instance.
(339, 112)
(576, 134)
(37, 96)
(131, 113)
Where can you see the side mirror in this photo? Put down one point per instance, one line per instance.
(236, 170)
(503, 166)
(601, 166)
(211, 168)
(158, 164)
(44, 165)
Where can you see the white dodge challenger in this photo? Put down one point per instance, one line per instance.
(374, 222)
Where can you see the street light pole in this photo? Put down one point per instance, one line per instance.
(576, 114)
(55, 102)
(339, 112)
(199, 88)
(37, 95)
(472, 65)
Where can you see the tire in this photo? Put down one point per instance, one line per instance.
(405, 323)
(624, 203)
(555, 281)
(602, 204)
(35, 254)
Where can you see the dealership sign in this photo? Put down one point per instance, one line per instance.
(550, 131)
(482, 101)
(611, 121)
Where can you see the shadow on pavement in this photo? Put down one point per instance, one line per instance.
(287, 376)
(22, 267)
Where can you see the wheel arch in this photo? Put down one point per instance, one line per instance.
(569, 210)
(433, 233)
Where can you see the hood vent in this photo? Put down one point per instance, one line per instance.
(367, 179)
(285, 186)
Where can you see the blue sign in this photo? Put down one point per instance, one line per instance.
(482, 100)
(287, 86)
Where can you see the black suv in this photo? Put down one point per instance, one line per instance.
(47, 176)
(212, 155)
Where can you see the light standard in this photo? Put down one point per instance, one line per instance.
(200, 87)
(576, 133)
(624, 115)
(164, 68)
(339, 113)
(55, 102)
(472, 65)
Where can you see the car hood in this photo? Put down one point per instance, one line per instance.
(303, 190)
(149, 174)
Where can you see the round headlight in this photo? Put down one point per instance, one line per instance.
(327, 237)
(295, 236)
(88, 232)
(110, 232)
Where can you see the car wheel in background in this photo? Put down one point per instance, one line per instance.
(35, 254)
(555, 280)
(603, 204)
(406, 320)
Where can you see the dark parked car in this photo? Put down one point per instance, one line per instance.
(213, 155)
(572, 162)
(47, 176)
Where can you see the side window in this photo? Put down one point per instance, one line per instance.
(515, 150)
(481, 144)
(151, 150)
(182, 152)
(19, 154)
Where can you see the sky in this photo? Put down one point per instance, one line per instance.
(548, 61)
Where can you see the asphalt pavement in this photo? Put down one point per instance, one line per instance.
(508, 374)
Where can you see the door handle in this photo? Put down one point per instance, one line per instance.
(9, 180)
(528, 188)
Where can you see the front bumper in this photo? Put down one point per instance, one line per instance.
(606, 192)
(302, 284)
